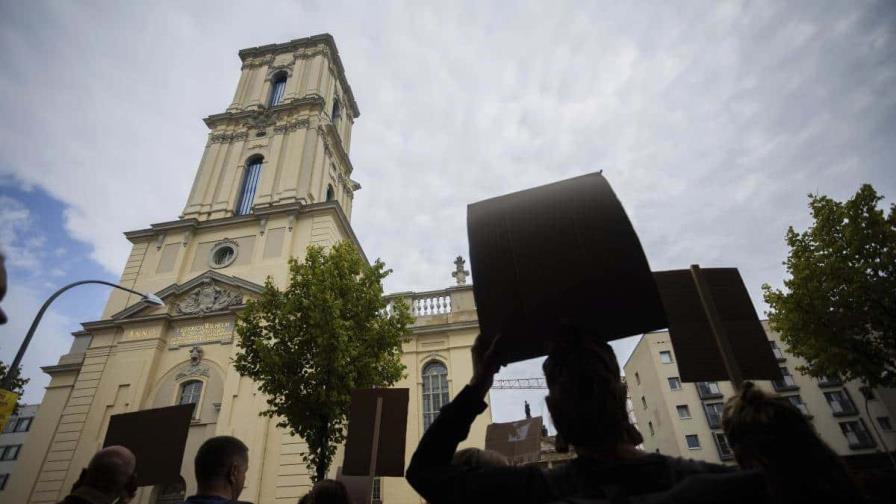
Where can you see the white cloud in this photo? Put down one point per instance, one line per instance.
(712, 120)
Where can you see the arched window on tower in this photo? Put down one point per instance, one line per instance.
(435, 391)
(336, 116)
(190, 393)
(278, 87)
(250, 183)
(331, 194)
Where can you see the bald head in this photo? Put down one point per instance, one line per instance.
(111, 470)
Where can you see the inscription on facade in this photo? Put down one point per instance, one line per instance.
(208, 332)
(139, 333)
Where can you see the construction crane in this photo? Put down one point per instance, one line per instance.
(523, 384)
(519, 384)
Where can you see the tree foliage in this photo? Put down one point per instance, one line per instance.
(18, 383)
(838, 306)
(308, 346)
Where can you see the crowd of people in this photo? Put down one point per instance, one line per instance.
(780, 457)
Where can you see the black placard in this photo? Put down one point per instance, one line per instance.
(560, 252)
(696, 350)
(392, 432)
(156, 437)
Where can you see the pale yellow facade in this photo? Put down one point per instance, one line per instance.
(665, 427)
(137, 356)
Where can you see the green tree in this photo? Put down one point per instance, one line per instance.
(18, 383)
(838, 306)
(308, 346)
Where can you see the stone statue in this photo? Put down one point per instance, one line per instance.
(207, 298)
(528, 411)
(459, 273)
(195, 355)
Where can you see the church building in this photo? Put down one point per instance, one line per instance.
(275, 177)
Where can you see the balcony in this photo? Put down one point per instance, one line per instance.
(829, 381)
(784, 384)
(714, 416)
(722, 445)
(708, 390)
(843, 407)
(860, 440)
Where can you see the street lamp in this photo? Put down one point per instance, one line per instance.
(13, 370)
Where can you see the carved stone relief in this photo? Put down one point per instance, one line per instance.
(207, 298)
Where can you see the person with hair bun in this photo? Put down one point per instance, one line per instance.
(770, 435)
(587, 402)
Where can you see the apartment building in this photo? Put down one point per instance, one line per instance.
(685, 419)
(12, 437)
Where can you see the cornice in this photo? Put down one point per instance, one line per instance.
(268, 114)
(258, 213)
(61, 368)
(451, 326)
(297, 45)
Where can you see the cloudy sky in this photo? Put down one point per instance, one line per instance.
(712, 120)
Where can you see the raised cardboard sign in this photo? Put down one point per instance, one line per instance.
(564, 251)
(157, 437)
(519, 441)
(377, 424)
(696, 349)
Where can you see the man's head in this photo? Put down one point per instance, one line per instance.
(221, 464)
(112, 471)
(587, 396)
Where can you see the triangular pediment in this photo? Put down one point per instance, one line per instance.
(209, 292)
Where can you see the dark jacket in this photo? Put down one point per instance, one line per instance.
(434, 477)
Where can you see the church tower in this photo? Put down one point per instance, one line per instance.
(275, 175)
(274, 178)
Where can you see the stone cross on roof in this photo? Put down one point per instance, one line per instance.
(460, 274)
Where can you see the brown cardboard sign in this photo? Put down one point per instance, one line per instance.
(519, 441)
(564, 251)
(156, 437)
(696, 350)
(363, 427)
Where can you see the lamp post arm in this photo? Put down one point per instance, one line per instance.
(13, 369)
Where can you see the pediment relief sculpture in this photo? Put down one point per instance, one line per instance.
(206, 298)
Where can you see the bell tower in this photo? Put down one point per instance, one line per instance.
(285, 137)
(275, 176)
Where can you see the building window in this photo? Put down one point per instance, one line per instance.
(884, 423)
(10, 452)
(644, 402)
(171, 493)
(693, 441)
(637, 378)
(190, 392)
(722, 445)
(223, 254)
(714, 414)
(786, 382)
(857, 435)
(435, 391)
(278, 87)
(674, 383)
(708, 390)
(23, 424)
(797, 402)
(3, 479)
(776, 351)
(666, 357)
(250, 184)
(376, 490)
(331, 194)
(650, 426)
(683, 411)
(336, 115)
(840, 403)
